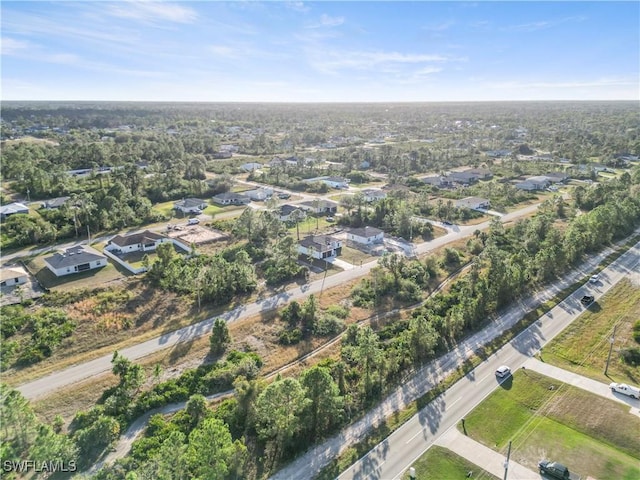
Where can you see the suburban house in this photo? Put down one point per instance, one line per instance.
(333, 182)
(557, 177)
(320, 207)
(75, 259)
(137, 242)
(373, 195)
(281, 162)
(498, 153)
(251, 166)
(55, 202)
(230, 198)
(259, 194)
(15, 275)
(539, 182)
(12, 209)
(466, 177)
(320, 246)
(439, 181)
(190, 205)
(481, 173)
(365, 235)
(285, 211)
(473, 203)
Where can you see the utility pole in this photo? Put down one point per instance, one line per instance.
(506, 462)
(611, 340)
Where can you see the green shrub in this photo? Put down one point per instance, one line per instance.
(290, 337)
(631, 356)
(636, 331)
(328, 325)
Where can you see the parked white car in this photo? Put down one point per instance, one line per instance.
(193, 221)
(594, 278)
(633, 392)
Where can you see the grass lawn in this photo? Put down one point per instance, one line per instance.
(584, 345)
(438, 462)
(311, 226)
(355, 257)
(547, 419)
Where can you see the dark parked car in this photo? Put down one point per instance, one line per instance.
(587, 300)
(556, 470)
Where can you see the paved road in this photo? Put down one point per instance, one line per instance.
(395, 454)
(57, 380)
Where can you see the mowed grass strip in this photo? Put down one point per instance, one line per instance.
(439, 462)
(545, 418)
(584, 345)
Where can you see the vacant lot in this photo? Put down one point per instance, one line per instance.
(548, 419)
(584, 345)
(438, 462)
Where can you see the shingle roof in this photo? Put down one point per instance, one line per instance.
(287, 209)
(190, 203)
(142, 237)
(73, 256)
(318, 242)
(365, 232)
(12, 272)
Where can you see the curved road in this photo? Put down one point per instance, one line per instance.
(42, 386)
(396, 453)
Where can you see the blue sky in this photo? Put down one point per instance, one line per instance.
(320, 51)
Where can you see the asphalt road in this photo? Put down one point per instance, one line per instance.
(395, 454)
(42, 386)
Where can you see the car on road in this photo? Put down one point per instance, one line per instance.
(587, 300)
(633, 392)
(284, 195)
(193, 221)
(503, 371)
(447, 222)
(594, 278)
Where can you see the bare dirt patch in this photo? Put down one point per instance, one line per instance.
(197, 234)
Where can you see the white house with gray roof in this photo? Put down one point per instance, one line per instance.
(320, 246)
(365, 235)
(14, 275)
(473, 203)
(190, 205)
(80, 258)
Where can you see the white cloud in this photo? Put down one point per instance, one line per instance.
(327, 21)
(439, 27)
(223, 51)
(152, 11)
(11, 46)
(544, 24)
(297, 6)
(330, 62)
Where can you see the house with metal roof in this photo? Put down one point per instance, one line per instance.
(13, 209)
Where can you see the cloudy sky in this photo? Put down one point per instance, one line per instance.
(320, 51)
